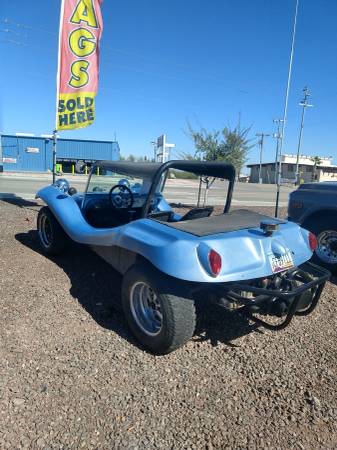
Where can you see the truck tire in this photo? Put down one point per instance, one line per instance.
(325, 229)
(80, 166)
(160, 320)
(52, 238)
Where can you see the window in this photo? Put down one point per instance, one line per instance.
(290, 167)
(107, 179)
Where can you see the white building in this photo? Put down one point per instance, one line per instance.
(325, 171)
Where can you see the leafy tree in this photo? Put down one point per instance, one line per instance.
(230, 145)
(188, 156)
(317, 162)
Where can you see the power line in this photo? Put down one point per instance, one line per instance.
(26, 27)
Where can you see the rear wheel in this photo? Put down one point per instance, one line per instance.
(52, 238)
(325, 230)
(161, 321)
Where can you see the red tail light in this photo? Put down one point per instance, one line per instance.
(214, 262)
(312, 241)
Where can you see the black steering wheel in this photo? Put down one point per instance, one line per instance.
(122, 198)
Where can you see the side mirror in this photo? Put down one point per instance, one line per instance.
(72, 191)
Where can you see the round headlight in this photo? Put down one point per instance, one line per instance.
(62, 184)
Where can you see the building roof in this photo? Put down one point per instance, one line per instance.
(50, 137)
(319, 166)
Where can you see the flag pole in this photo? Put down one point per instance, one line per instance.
(57, 90)
(54, 154)
(279, 175)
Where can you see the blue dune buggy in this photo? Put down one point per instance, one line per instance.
(240, 260)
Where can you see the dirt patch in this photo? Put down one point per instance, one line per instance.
(72, 376)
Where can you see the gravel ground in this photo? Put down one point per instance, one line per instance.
(72, 376)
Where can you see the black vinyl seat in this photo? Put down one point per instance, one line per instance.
(197, 213)
(162, 216)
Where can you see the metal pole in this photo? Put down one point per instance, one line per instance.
(262, 135)
(277, 136)
(54, 154)
(279, 175)
(304, 103)
(261, 150)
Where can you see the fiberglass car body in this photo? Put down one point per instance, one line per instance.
(240, 260)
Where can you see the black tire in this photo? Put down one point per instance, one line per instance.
(178, 312)
(319, 226)
(80, 166)
(52, 238)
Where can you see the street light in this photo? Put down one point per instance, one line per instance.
(304, 103)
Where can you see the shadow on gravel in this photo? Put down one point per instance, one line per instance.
(94, 284)
(216, 325)
(13, 199)
(97, 287)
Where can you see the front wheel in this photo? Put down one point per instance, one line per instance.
(160, 320)
(52, 238)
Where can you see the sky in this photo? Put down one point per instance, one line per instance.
(166, 63)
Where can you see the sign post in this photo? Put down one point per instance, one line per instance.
(163, 149)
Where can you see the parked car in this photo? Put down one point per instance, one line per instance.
(240, 260)
(314, 207)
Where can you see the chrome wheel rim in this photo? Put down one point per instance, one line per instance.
(327, 246)
(45, 231)
(146, 308)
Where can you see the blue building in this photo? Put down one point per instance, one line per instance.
(29, 153)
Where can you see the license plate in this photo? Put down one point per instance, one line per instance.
(284, 262)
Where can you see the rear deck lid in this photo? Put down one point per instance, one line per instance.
(240, 219)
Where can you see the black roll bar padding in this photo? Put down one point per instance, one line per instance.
(229, 196)
(215, 169)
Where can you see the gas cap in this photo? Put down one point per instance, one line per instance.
(268, 227)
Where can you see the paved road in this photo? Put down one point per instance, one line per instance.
(179, 191)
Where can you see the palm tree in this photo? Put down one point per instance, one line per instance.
(317, 162)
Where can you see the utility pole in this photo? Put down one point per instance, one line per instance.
(262, 136)
(304, 103)
(277, 136)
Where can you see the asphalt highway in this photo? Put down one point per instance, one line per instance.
(177, 191)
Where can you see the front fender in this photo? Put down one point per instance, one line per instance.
(68, 214)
